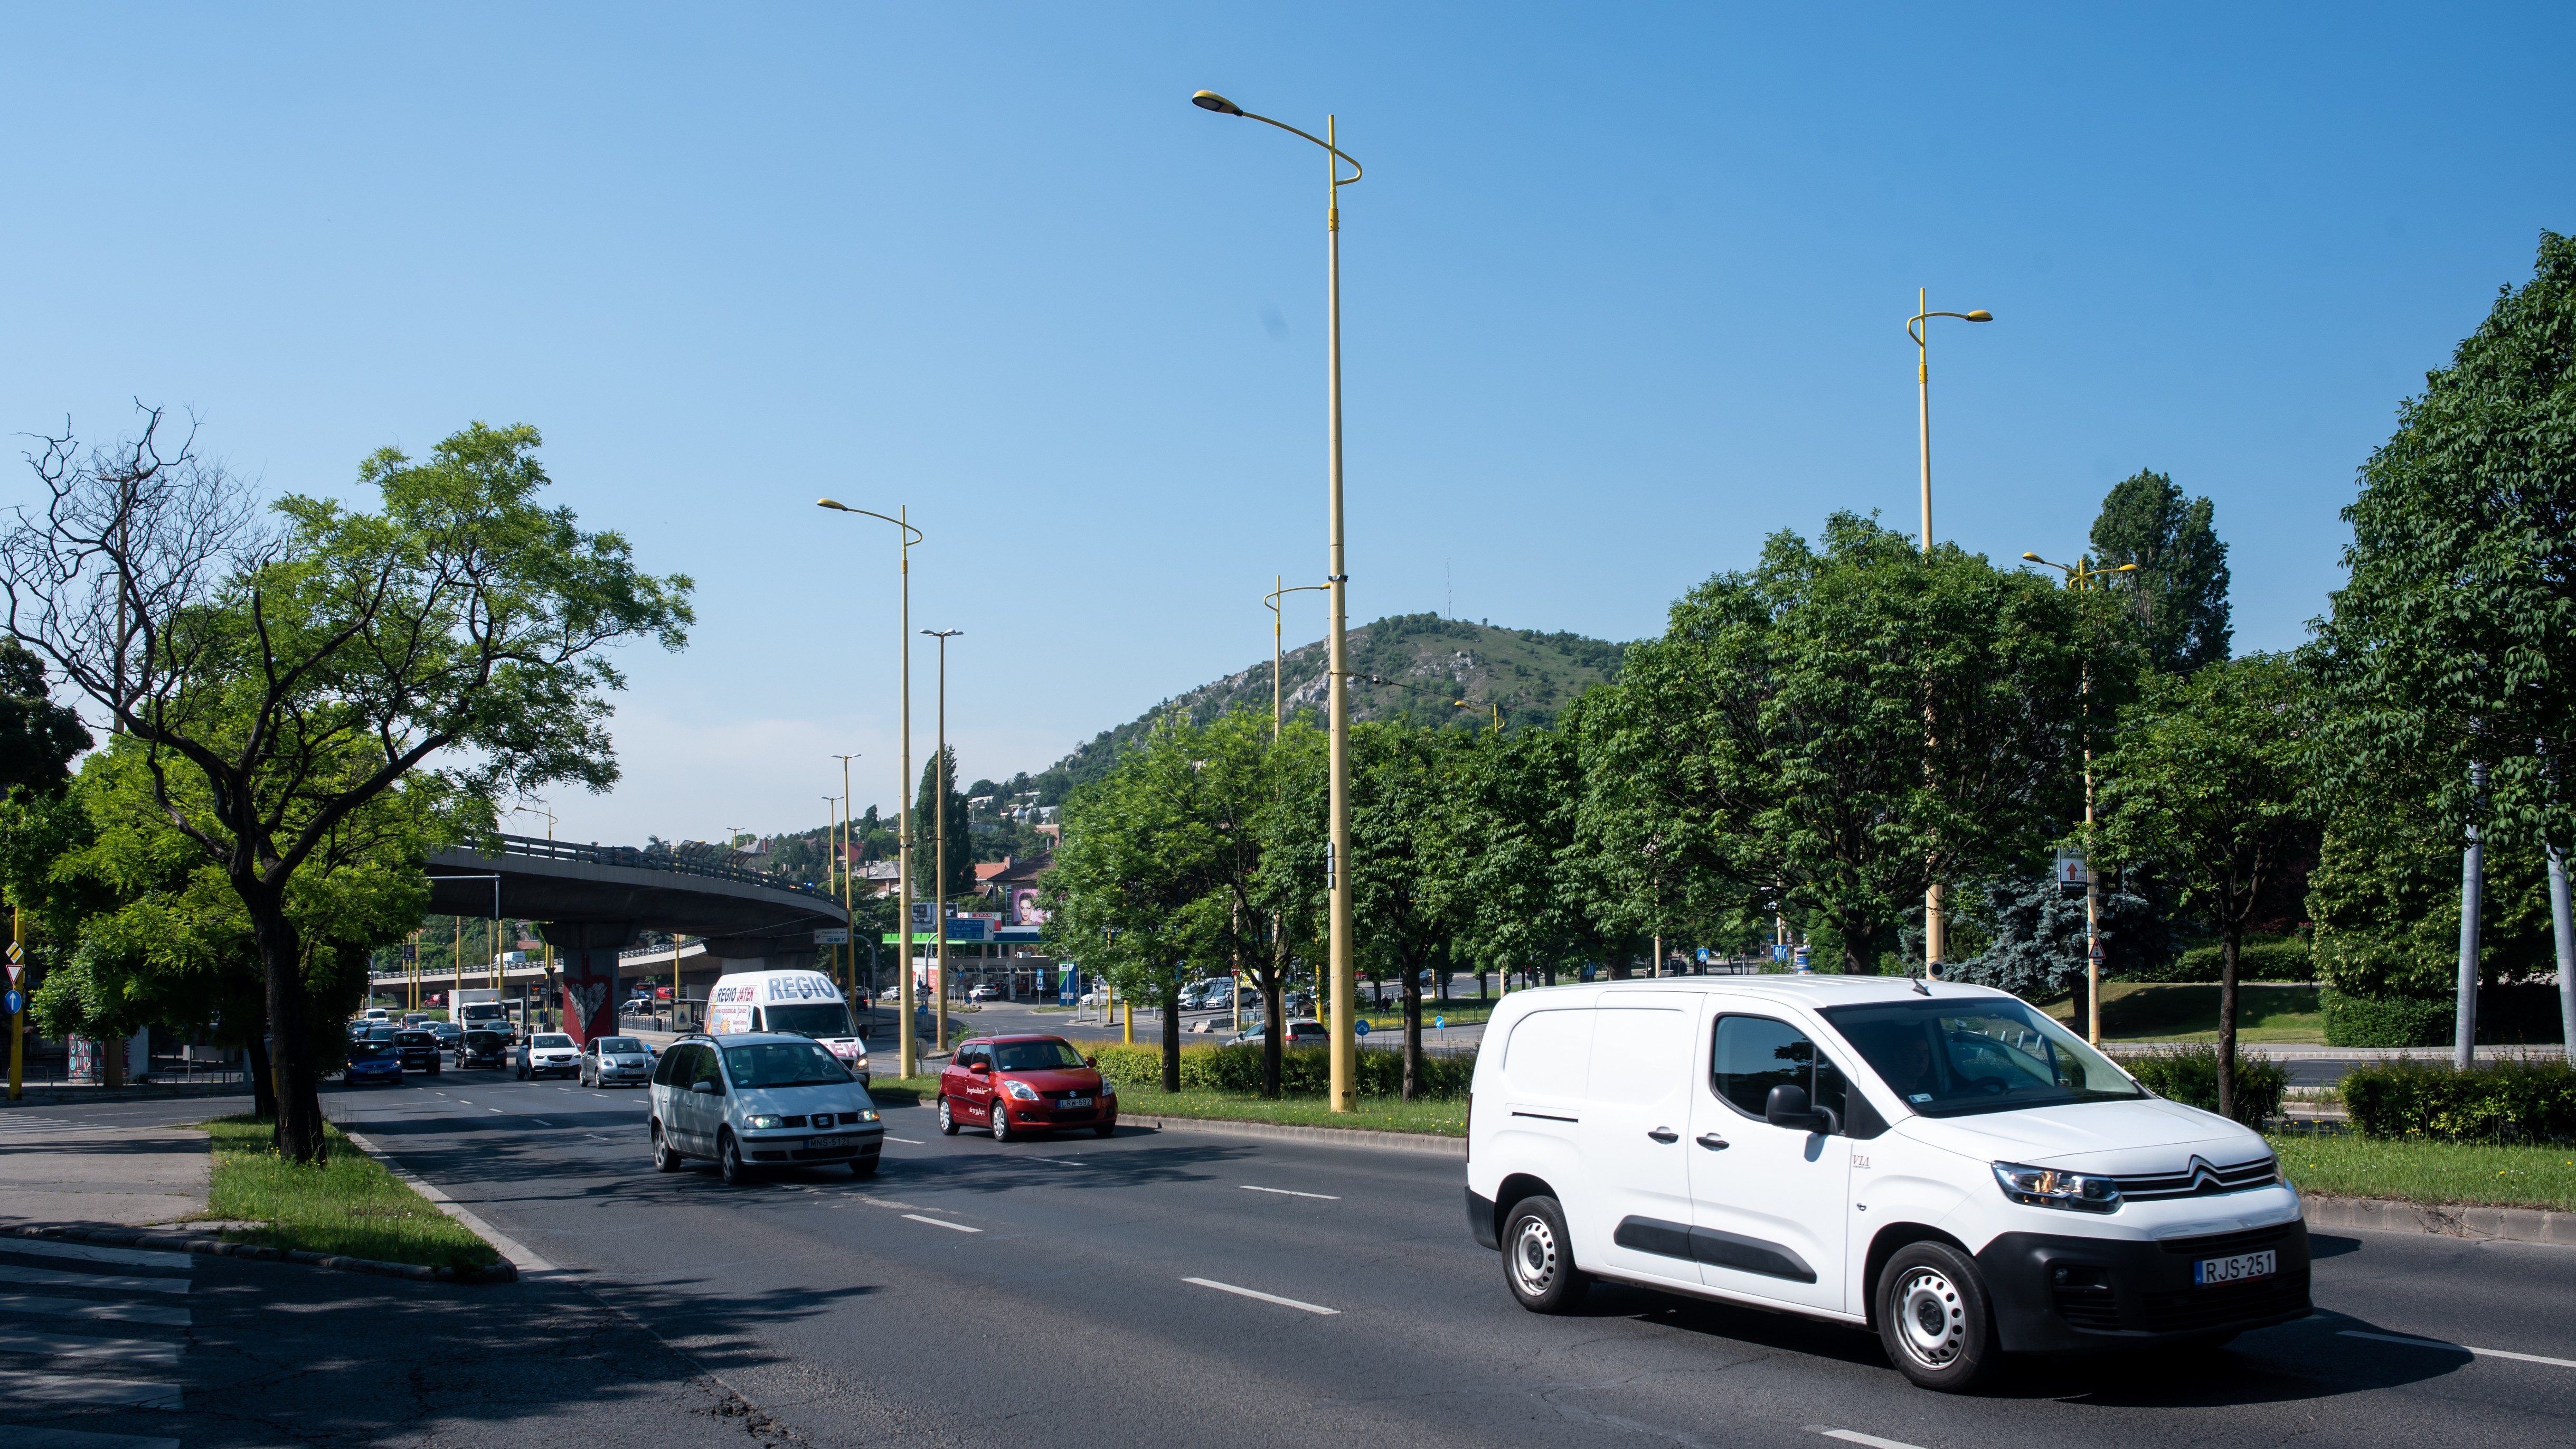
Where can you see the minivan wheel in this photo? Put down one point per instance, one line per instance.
(729, 1162)
(1933, 1317)
(1538, 1257)
(664, 1159)
(947, 1119)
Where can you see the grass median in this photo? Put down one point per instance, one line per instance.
(1439, 1118)
(2433, 1173)
(351, 1205)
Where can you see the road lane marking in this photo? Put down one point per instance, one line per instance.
(540, 1121)
(130, 1257)
(53, 1389)
(936, 1223)
(906, 1141)
(1854, 1436)
(55, 1278)
(494, 1109)
(95, 1352)
(1284, 1192)
(595, 1137)
(1264, 1297)
(2460, 1348)
(31, 1305)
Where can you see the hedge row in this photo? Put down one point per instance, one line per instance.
(2255, 961)
(2519, 1100)
(2522, 1014)
(2189, 1075)
(1303, 1072)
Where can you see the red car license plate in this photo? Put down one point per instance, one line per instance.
(1073, 1102)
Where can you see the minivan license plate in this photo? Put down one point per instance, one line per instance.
(2209, 1271)
(820, 1144)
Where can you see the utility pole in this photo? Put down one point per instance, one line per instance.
(939, 806)
(849, 863)
(2464, 1044)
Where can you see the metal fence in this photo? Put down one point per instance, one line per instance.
(635, 859)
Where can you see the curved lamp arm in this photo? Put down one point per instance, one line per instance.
(1271, 600)
(870, 512)
(1980, 315)
(1211, 101)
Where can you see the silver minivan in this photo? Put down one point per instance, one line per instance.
(761, 1099)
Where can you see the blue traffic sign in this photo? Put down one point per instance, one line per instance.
(11, 1003)
(1440, 1021)
(1361, 1026)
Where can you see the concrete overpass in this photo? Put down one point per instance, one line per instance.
(591, 901)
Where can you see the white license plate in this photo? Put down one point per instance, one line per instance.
(1073, 1102)
(2237, 1269)
(818, 1144)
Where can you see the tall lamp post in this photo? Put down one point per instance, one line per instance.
(1935, 929)
(907, 1052)
(1337, 862)
(2081, 576)
(939, 804)
(849, 858)
(1278, 694)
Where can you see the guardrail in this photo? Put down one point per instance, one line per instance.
(634, 859)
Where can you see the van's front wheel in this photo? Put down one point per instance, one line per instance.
(1933, 1318)
(1538, 1257)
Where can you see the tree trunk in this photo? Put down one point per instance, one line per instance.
(1860, 950)
(298, 1137)
(2230, 936)
(1172, 1035)
(1273, 990)
(1412, 1031)
(263, 1087)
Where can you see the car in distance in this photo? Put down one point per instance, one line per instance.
(607, 1059)
(760, 1100)
(1291, 1034)
(548, 1053)
(372, 1061)
(482, 1047)
(447, 1032)
(1015, 1084)
(418, 1050)
(980, 993)
(1942, 1164)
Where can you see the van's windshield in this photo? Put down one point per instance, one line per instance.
(782, 1064)
(810, 1018)
(1948, 1057)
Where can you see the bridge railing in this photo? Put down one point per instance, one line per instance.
(635, 859)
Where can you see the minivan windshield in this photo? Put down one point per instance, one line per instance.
(782, 1064)
(809, 1018)
(1034, 1056)
(1951, 1056)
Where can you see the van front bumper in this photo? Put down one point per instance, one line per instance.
(2058, 1294)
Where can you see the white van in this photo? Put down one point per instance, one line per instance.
(1942, 1164)
(806, 1003)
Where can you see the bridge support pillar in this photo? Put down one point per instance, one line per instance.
(587, 952)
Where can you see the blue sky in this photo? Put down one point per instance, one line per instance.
(1624, 292)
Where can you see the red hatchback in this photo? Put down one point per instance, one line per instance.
(1015, 1084)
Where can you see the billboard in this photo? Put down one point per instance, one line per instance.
(1025, 910)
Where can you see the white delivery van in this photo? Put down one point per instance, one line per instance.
(1942, 1164)
(806, 1003)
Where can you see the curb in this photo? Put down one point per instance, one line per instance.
(217, 1247)
(2449, 1220)
(1422, 1142)
(517, 1259)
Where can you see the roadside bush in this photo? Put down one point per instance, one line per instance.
(1303, 1072)
(2189, 1075)
(2279, 960)
(2520, 1014)
(2529, 1099)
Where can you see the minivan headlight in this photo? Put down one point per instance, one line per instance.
(2053, 1187)
(1019, 1090)
(764, 1123)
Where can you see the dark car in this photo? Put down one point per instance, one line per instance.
(373, 1061)
(418, 1050)
(482, 1048)
(1012, 1084)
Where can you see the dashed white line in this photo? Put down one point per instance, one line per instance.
(540, 1121)
(1285, 1192)
(906, 1141)
(1264, 1297)
(937, 1223)
(494, 1109)
(595, 1137)
(1854, 1436)
(2460, 1348)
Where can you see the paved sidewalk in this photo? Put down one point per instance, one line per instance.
(62, 1170)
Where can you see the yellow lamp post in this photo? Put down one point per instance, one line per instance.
(1935, 929)
(939, 803)
(1278, 694)
(849, 859)
(2081, 576)
(907, 1054)
(1345, 1042)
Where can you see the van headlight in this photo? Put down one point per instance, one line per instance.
(2053, 1187)
(1020, 1091)
(870, 1115)
(763, 1123)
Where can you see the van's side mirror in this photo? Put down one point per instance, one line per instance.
(703, 1086)
(1787, 1107)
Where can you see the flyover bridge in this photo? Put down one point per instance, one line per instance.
(591, 901)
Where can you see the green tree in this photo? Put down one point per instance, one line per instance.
(2210, 786)
(2176, 603)
(1774, 739)
(38, 738)
(281, 681)
(925, 839)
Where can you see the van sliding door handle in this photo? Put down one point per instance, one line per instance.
(1712, 1142)
(1664, 1134)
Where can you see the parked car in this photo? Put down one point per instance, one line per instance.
(1943, 1164)
(606, 1059)
(760, 1100)
(372, 1062)
(482, 1047)
(548, 1053)
(418, 1051)
(1012, 1084)
(981, 993)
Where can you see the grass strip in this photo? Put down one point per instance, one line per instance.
(2434, 1173)
(351, 1205)
(1440, 1118)
(2266, 1011)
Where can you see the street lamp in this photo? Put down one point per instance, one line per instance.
(2081, 577)
(1278, 696)
(939, 808)
(1918, 327)
(1345, 986)
(907, 1058)
(849, 857)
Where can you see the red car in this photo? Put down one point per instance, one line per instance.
(1015, 1084)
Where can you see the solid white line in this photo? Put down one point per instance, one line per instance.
(33, 1306)
(131, 1257)
(1284, 1192)
(509, 1247)
(2461, 1348)
(52, 1389)
(906, 1141)
(141, 1352)
(936, 1223)
(55, 1278)
(1854, 1436)
(1264, 1297)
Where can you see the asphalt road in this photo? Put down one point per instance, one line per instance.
(1082, 1291)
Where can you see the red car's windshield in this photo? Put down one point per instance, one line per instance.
(1034, 1056)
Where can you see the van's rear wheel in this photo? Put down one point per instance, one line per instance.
(1933, 1318)
(664, 1159)
(1538, 1257)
